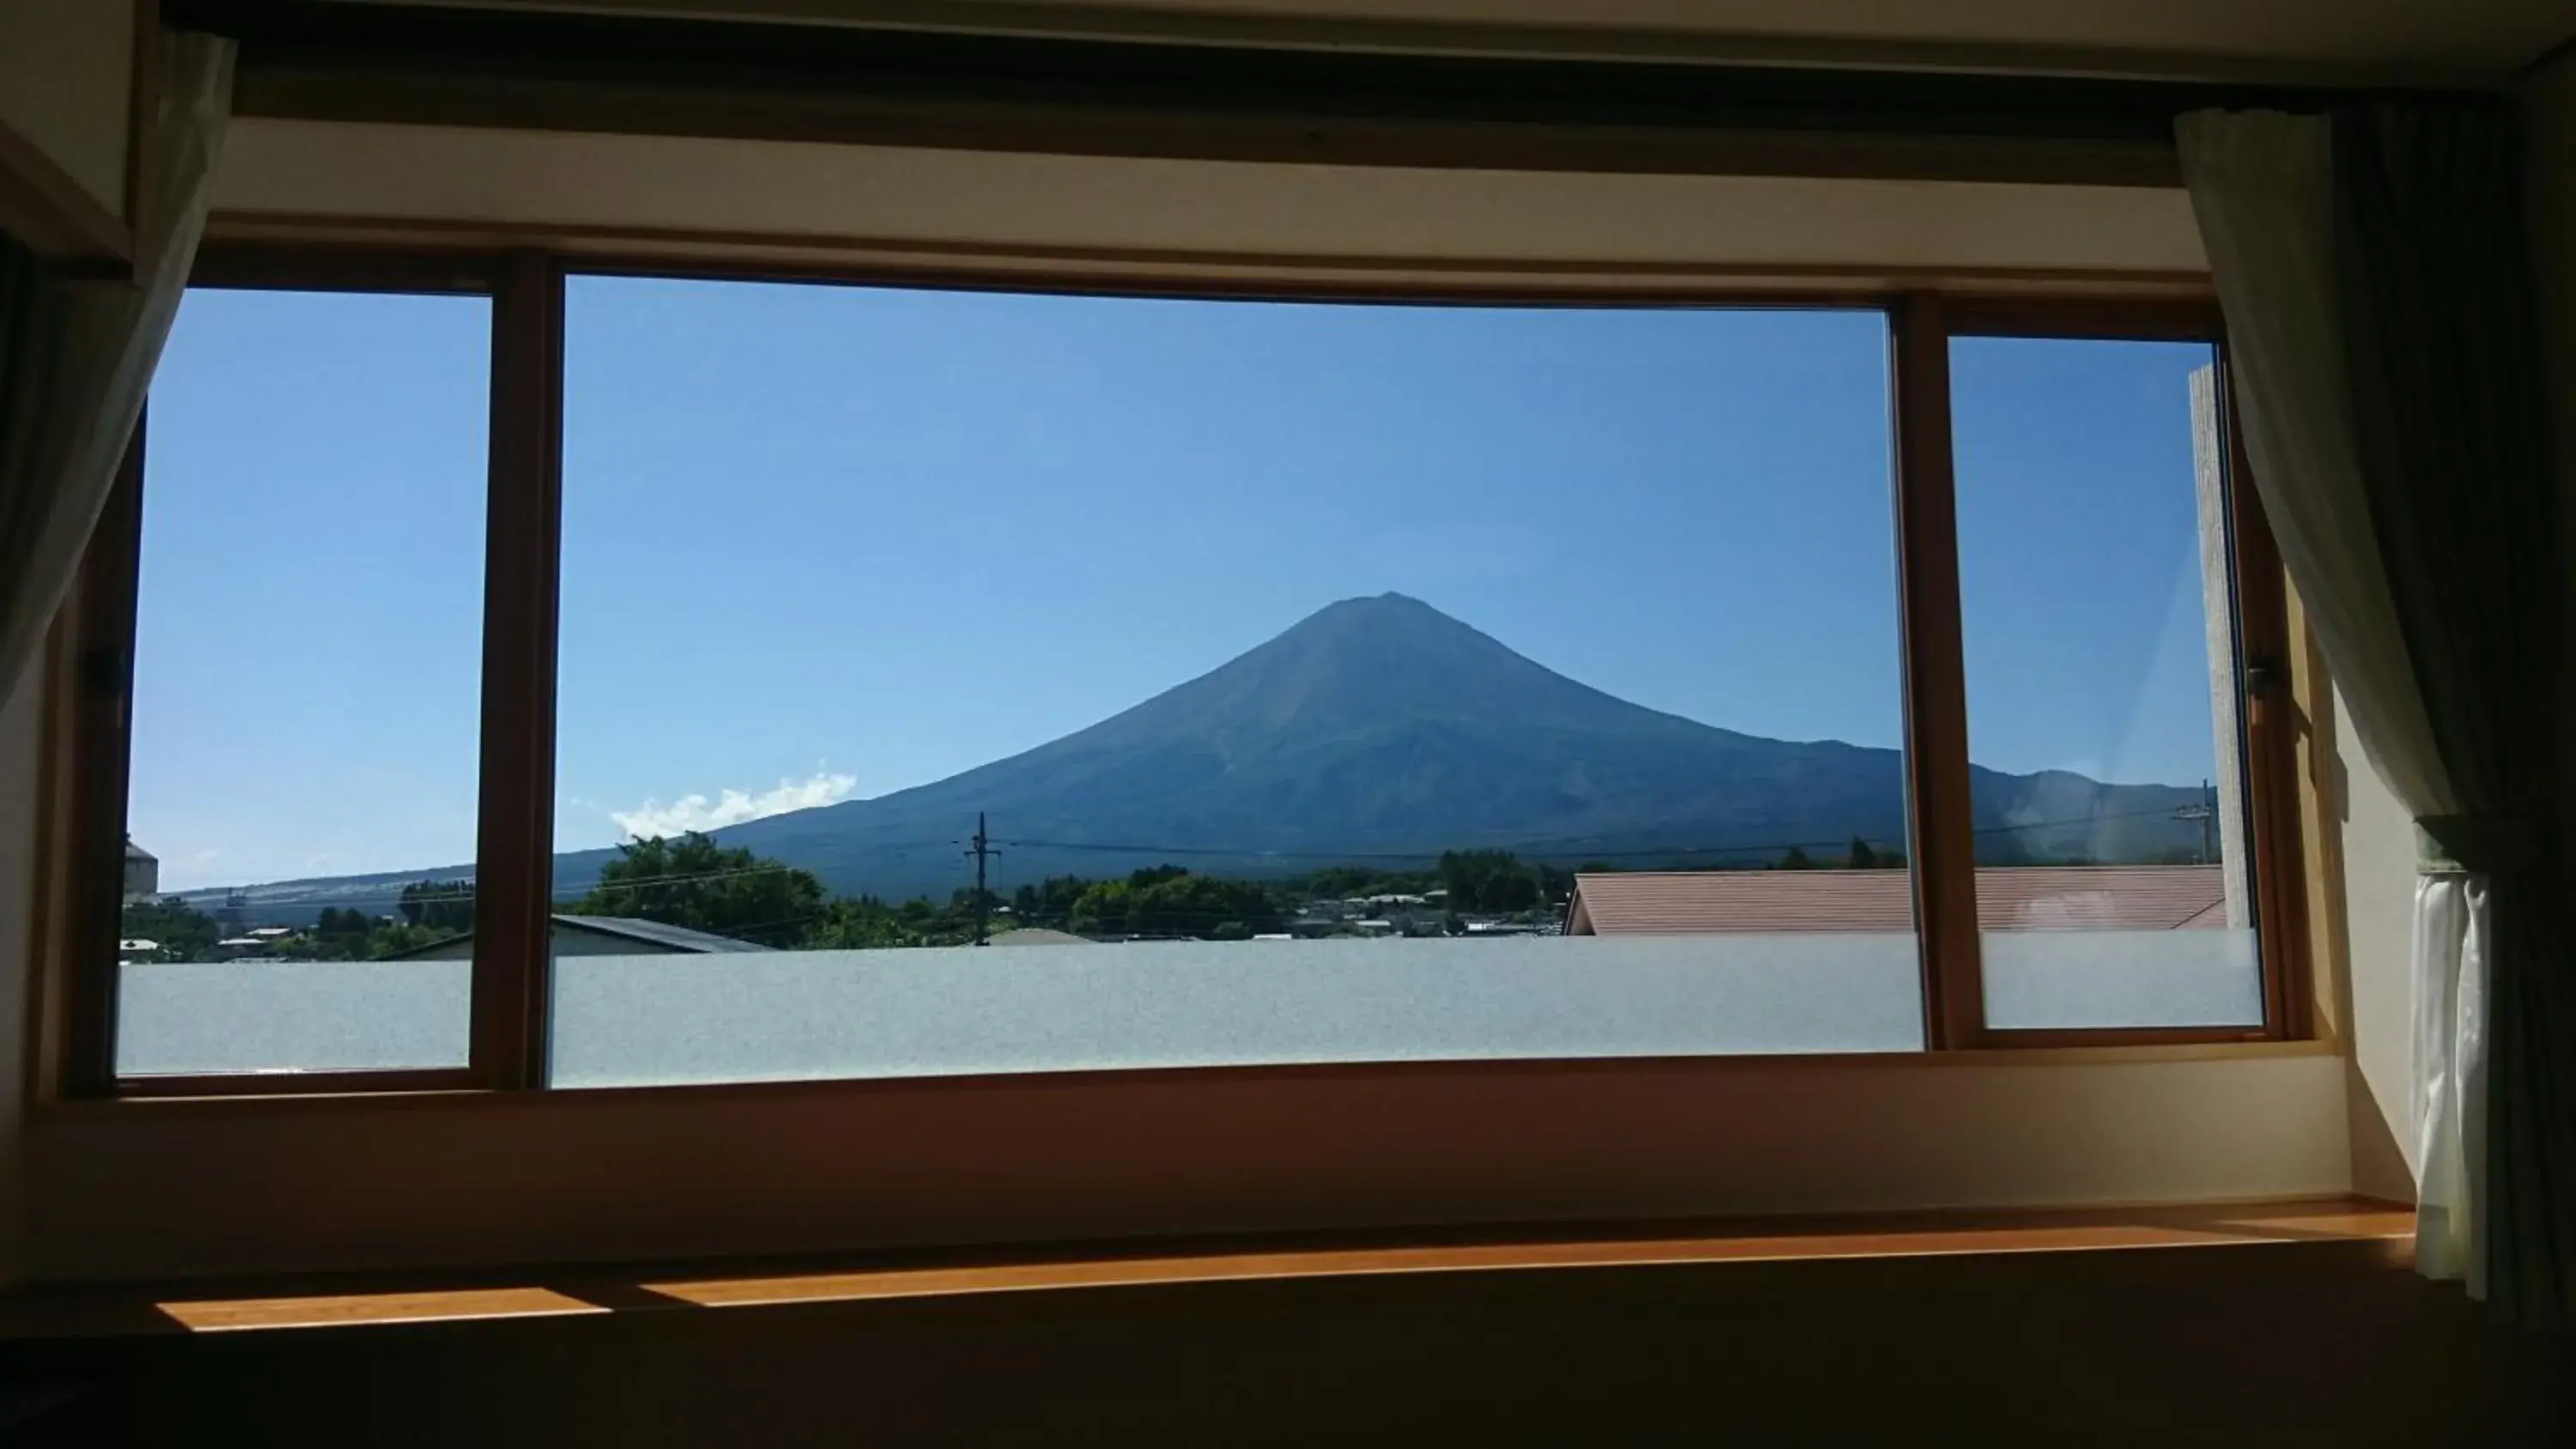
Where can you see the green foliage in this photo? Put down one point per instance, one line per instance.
(1861, 857)
(180, 931)
(855, 923)
(337, 922)
(1048, 903)
(1488, 880)
(1168, 901)
(1339, 882)
(335, 938)
(445, 907)
(1796, 859)
(695, 883)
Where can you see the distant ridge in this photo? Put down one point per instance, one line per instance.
(1382, 727)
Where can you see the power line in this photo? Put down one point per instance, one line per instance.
(452, 890)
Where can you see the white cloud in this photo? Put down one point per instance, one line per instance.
(732, 807)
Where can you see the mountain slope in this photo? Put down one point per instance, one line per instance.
(1381, 725)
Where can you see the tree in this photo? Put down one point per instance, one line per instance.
(1862, 857)
(1169, 901)
(337, 923)
(443, 906)
(695, 883)
(1488, 880)
(1796, 859)
(1101, 910)
(177, 930)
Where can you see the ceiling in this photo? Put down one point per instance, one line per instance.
(2347, 41)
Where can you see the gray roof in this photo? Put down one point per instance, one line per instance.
(677, 938)
(1038, 936)
(650, 933)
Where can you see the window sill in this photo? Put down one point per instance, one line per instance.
(138, 1098)
(2359, 1231)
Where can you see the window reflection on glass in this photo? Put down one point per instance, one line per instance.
(2098, 627)
(1263, 682)
(307, 684)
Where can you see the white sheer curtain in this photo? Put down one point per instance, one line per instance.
(102, 361)
(2262, 186)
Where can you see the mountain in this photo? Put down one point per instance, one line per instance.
(1383, 727)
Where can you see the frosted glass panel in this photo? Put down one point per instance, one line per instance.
(1226, 668)
(279, 1016)
(628, 1020)
(298, 887)
(2122, 978)
(2114, 879)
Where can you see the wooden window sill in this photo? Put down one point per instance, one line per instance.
(2381, 1233)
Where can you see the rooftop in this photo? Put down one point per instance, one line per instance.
(2009, 898)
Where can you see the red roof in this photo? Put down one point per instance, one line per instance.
(2009, 898)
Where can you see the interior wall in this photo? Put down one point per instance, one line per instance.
(124, 1190)
(132, 1190)
(656, 187)
(2379, 925)
(66, 68)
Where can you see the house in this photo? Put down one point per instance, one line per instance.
(142, 872)
(598, 936)
(2009, 898)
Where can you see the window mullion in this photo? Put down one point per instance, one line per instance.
(1943, 839)
(514, 864)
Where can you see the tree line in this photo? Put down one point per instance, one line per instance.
(698, 884)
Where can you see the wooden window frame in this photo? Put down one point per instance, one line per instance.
(1924, 326)
(511, 987)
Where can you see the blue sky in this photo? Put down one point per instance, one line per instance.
(823, 543)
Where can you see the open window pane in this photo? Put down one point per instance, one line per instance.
(1329, 683)
(2098, 622)
(307, 677)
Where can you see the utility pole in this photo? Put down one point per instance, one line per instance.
(982, 850)
(2206, 812)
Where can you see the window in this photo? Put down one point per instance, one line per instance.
(1292, 661)
(903, 682)
(2103, 670)
(307, 665)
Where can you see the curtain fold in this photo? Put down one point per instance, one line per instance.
(2444, 364)
(76, 356)
(2262, 189)
(2387, 374)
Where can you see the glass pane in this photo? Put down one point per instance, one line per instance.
(307, 686)
(1308, 673)
(2097, 615)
